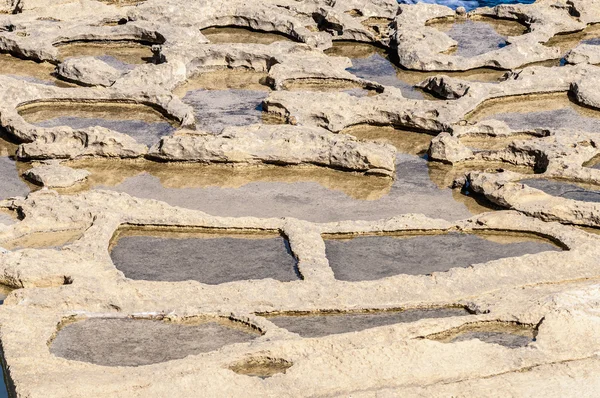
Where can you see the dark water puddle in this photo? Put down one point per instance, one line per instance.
(563, 189)
(143, 123)
(261, 367)
(374, 257)
(122, 55)
(324, 324)
(208, 257)
(510, 335)
(566, 42)
(226, 97)
(479, 35)
(138, 342)
(538, 111)
(373, 63)
(230, 34)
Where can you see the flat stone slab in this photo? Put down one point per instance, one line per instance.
(207, 258)
(324, 324)
(502, 333)
(539, 111)
(138, 342)
(564, 189)
(376, 257)
(142, 123)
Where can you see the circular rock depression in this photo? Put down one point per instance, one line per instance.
(143, 123)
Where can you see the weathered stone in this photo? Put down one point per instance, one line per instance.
(88, 70)
(278, 144)
(54, 175)
(445, 87)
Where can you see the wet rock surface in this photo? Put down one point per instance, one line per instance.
(210, 259)
(138, 342)
(375, 257)
(319, 325)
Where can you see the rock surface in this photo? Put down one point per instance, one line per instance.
(55, 176)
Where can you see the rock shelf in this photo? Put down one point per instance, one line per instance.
(299, 198)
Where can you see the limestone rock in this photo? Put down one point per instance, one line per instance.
(448, 149)
(445, 87)
(54, 175)
(89, 71)
(278, 144)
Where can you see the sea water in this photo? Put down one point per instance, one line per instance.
(468, 4)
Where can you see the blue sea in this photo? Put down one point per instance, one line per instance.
(468, 4)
